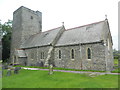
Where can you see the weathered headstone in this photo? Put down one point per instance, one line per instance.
(16, 70)
(50, 69)
(8, 72)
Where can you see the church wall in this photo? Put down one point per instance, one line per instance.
(97, 61)
(66, 61)
(34, 55)
(22, 60)
(80, 61)
(109, 54)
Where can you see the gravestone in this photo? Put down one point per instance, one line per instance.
(50, 69)
(16, 70)
(8, 72)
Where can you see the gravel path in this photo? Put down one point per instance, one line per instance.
(100, 73)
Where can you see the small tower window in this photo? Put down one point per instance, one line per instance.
(72, 54)
(89, 53)
(31, 17)
(59, 54)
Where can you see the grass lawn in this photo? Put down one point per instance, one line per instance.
(41, 79)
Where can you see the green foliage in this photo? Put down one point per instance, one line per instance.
(116, 68)
(6, 40)
(115, 61)
(41, 79)
(116, 71)
(116, 53)
(7, 27)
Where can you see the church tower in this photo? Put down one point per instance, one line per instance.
(26, 22)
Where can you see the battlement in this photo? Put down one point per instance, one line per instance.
(29, 10)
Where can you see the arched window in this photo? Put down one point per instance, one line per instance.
(89, 53)
(59, 54)
(42, 55)
(72, 54)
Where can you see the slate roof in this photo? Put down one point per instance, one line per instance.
(42, 39)
(90, 33)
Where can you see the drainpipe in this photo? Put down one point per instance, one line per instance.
(37, 54)
(80, 55)
(106, 57)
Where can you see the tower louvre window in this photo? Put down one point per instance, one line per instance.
(31, 17)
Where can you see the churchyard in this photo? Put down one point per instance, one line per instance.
(42, 79)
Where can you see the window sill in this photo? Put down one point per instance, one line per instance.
(89, 59)
(72, 59)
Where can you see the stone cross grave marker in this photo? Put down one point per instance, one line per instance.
(51, 69)
(16, 70)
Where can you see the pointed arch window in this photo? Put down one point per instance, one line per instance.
(89, 53)
(59, 54)
(72, 54)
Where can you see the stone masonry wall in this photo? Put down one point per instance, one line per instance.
(97, 61)
(16, 33)
(80, 61)
(22, 61)
(109, 54)
(34, 55)
(26, 22)
(31, 23)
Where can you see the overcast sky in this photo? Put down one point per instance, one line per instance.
(72, 12)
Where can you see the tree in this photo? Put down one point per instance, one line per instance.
(116, 53)
(6, 30)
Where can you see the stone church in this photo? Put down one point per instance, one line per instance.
(87, 47)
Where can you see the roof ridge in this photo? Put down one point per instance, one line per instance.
(85, 25)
